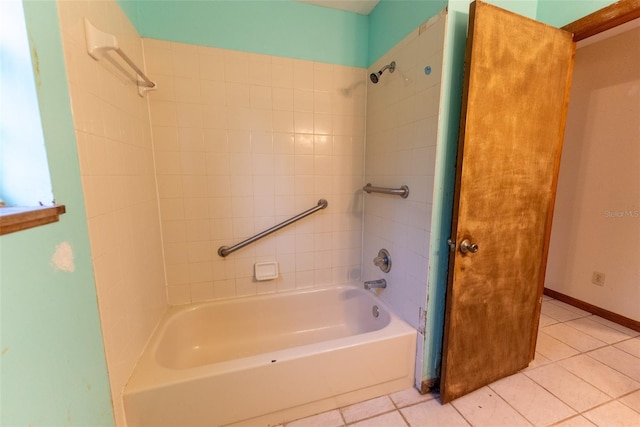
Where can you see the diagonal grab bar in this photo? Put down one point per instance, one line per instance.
(223, 251)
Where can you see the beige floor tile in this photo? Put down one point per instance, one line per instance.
(367, 409)
(484, 407)
(631, 346)
(598, 330)
(410, 396)
(433, 414)
(570, 307)
(546, 298)
(575, 392)
(392, 419)
(578, 421)
(632, 400)
(537, 405)
(325, 419)
(553, 349)
(600, 375)
(546, 321)
(619, 360)
(558, 313)
(573, 337)
(615, 326)
(613, 414)
(538, 360)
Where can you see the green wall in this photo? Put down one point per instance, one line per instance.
(296, 30)
(53, 368)
(392, 20)
(282, 28)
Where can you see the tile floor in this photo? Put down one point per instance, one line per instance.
(586, 373)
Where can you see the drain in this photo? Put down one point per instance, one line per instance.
(375, 311)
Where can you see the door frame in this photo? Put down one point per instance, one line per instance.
(604, 19)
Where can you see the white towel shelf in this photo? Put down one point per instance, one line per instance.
(100, 42)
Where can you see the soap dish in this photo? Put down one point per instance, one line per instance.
(266, 270)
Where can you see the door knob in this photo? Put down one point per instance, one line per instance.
(467, 247)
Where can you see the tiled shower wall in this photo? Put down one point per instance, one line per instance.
(242, 142)
(402, 120)
(116, 164)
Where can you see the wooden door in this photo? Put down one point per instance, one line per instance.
(515, 96)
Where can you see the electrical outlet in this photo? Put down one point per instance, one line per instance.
(598, 278)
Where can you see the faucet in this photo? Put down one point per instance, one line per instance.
(371, 284)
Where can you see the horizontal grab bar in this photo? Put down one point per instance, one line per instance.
(223, 251)
(402, 191)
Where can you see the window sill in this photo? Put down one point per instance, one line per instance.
(20, 218)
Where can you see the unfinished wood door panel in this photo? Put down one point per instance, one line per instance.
(515, 96)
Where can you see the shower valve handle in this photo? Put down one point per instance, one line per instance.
(383, 260)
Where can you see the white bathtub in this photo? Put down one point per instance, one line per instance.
(268, 359)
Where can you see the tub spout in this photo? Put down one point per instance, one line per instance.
(371, 284)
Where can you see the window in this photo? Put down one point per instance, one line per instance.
(24, 171)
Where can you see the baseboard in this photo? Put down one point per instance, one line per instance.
(605, 314)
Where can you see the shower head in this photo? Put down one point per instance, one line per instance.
(375, 77)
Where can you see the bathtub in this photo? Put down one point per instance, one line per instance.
(263, 360)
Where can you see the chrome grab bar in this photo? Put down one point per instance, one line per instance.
(402, 191)
(223, 251)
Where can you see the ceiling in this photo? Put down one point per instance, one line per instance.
(363, 7)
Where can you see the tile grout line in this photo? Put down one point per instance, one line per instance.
(599, 406)
(601, 324)
(585, 353)
(632, 338)
(611, 367)
(371, 417)
(567, 344)
(578, 412)
(396, 409)
(625, 395)
(461, 414)
(509, 403)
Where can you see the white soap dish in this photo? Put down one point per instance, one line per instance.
(266, 270)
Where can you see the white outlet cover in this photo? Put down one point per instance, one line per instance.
(266, 270)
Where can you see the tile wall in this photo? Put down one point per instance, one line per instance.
(402, 120)
(242, 142)
(116, 162)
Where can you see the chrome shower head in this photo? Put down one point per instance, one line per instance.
(375, 77)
